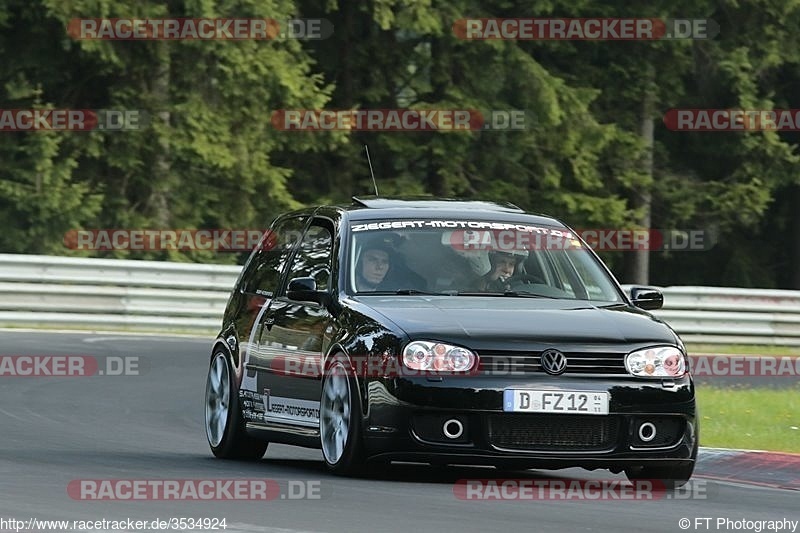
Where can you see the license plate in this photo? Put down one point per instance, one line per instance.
(548, 401)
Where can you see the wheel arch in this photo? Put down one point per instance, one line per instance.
(227, 342)
(339, 348)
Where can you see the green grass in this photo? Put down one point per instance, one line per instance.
(742, 349)
(755, 419)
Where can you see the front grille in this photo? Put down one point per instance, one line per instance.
(520, 363)
(553, 432)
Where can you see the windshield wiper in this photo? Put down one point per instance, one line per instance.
(516, 294)
(404, 292)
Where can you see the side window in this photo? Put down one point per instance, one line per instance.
(263, 271)
(313, 258)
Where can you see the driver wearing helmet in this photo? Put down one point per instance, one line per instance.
(503, 265)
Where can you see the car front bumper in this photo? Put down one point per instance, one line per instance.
(405, 417)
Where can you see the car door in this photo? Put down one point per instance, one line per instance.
(261, 279)
(295, 335)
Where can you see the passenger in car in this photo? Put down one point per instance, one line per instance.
(380, 268)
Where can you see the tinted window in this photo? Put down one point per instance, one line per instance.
(263, 270)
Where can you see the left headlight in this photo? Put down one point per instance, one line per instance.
(438, 357)
(656, 362)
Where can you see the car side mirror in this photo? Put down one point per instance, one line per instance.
(305, 290)
(647, 298)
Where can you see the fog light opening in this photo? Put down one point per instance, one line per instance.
(453, 428)
(647, 432)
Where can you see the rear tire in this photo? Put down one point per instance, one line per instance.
(224, 423)
(340, 423)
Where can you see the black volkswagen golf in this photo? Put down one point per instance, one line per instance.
(446, 332)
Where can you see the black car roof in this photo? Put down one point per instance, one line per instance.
(426, 202)
(380, 208)
(376, 208)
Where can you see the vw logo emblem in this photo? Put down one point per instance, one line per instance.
(554, 362)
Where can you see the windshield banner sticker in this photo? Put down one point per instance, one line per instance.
(485, 236)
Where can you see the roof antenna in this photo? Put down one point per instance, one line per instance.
(375, 183)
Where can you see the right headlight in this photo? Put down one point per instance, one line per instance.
(656, 362)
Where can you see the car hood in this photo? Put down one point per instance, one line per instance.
(507, 321)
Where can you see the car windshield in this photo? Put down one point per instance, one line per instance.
(473, 257)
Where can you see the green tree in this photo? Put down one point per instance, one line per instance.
(204, 158)
(405, 54)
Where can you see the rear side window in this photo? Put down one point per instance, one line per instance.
(263, 271)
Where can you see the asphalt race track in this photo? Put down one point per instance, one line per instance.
(54, 430)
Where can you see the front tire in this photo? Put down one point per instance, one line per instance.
(340, 419)
(224, 423)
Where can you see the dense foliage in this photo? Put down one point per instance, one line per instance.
(211, 159)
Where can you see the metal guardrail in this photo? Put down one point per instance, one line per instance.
(110, 294)
(124, 295)
(723, 315)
